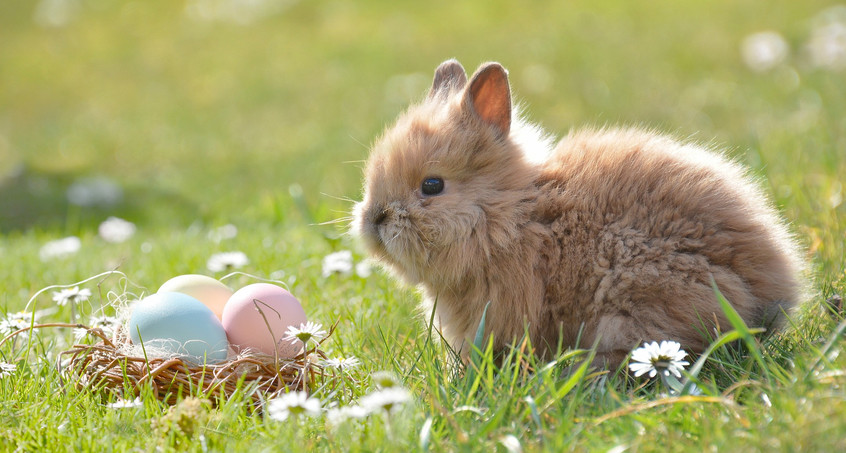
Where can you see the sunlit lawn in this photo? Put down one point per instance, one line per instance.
(185, 117)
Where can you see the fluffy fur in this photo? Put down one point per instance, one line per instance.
(613, 237)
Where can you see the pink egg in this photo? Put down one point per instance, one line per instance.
(257, 316)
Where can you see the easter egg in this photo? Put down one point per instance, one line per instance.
(176, 324)
(207, 290)
(257, 317)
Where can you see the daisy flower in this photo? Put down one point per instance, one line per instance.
(125, 404)
(6, 369)
(15, 322)
(293, 403)
(653, 358)
(338, 263)
(305, 333)
(342, 363)
(108, 324)
(338, 415)
(763, 51)
(73, 295)
(363, 269)
(227, 261)
(384, 379)
(116, 230)
(227, 231)
(388, 400)
(60, 248)
(827, 44)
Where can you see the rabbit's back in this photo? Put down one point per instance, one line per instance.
(639, 224)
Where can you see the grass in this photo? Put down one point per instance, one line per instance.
(263, 124)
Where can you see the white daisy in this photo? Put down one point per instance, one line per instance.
(108, 324)
(60, 248)
(653, 358)
(116, 230)
(827, 44)
(384, 379)
(338, 263)
(15, 322)
(363, 269)
(338, 415)
(764, 50)
(293, 403)
(227, 231)
(305, 333)
(73, 295)
(6, 369)
(343, 364)
(125, 404)
(388, 399)
(227, 261)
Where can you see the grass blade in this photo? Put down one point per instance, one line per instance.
(746, 334)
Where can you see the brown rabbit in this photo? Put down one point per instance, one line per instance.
(611, 237)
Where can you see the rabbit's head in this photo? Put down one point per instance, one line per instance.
(446, 187)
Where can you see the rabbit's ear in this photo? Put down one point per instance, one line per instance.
(449, 76)
(489, 97)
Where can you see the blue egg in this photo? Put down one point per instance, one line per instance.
(176, 324)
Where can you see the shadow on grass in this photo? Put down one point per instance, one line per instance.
(34, 199)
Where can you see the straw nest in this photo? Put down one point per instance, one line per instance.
(105, 365)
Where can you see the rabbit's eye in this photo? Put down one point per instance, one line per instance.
(432, 186)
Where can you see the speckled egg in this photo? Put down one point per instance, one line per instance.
(176, 324)
(207, 290)
(257, 316)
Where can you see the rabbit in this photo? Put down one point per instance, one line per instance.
(608, 239)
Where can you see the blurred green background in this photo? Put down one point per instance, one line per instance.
(218, 110)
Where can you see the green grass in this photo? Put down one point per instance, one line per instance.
(206, 123)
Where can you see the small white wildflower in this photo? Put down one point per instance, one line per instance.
(343, 364)
(511, 444)
(73, 295)
(15, 322)
(764, 50)
(388, 399)
(293, 403)
(384, 379)
(338, 263)
(336, 416)
(116, 230)
(827, 45)
(227, 261)
(60, 248)
(107, 324)
(125, 404)
(6, 369)
(227, 231)
(79, 334)
(363, 269)
(653, 358)
(305, 333)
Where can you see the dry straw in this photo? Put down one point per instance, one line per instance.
(104, 366)
(116, 365)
